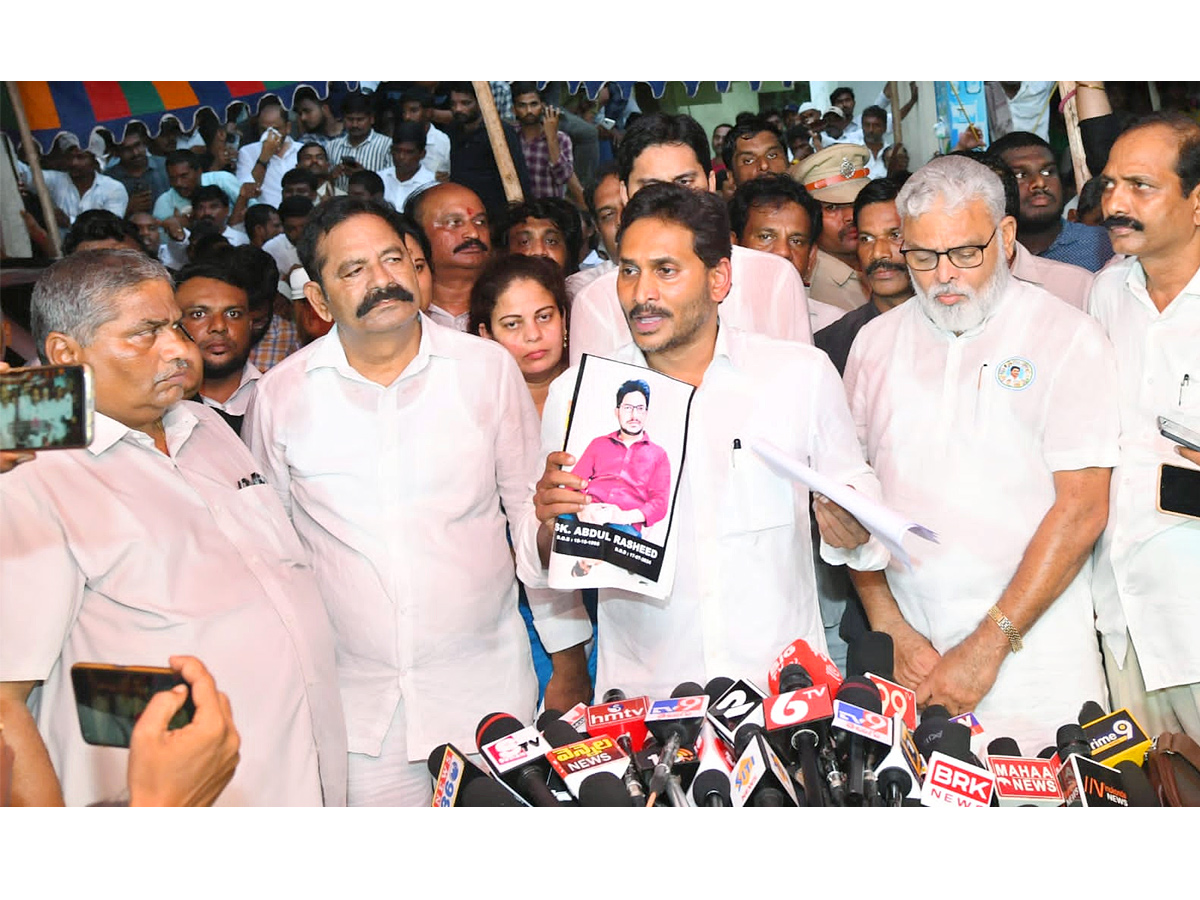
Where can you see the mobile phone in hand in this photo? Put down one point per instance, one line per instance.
(109, 699)
(46, 408)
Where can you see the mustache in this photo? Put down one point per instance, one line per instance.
(179, 364)
(877, 264)
(648, 309)
(374, 298)
(471, 244)
(1122, 222)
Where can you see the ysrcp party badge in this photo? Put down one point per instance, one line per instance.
(1015, 373)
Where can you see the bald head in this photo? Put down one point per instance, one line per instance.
(456, 224)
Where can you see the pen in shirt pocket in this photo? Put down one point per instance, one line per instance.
(737, 445)
(1184, 387)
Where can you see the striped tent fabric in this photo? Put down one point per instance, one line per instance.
(657, 88)
(76, 107)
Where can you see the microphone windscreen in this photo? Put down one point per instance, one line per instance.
(955, 741)
(1090, 712)
(873, 652)
(935, 712)
(897, 776)
(1003, 746)
(494, 726)
(743, 736)
(710, 781)
(558, 733)
(717, 686)
(862, 692)
(687, 689)
(1137, 786)
(613, 695)
(604, 789)
(1071, 739)
(486, 792)
(548, 715)
(435, 759)
(794, 677)
(1047, 752)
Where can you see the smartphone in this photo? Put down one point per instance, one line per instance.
(350, 162)
(1173, 431)
(46, 408)
(1179, 491)
(109, 699)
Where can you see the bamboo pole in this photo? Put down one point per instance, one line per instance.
(893, 92)
(495, 132)
(1071, 115)
(33, 155)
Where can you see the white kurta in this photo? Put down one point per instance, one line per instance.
(766, 297)
(741, 546)
(968, 450)
(397, 492)
(120, 554)
(1148, 565)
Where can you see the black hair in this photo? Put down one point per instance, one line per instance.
(662, 128)
(308, 145)
(634, 386)
(838, 91)
(991, 159)
(369, 180)
(217, 267)
(357, 102)
(418, 94)
(605, 169)
(257, 216)
(175, 157)
(328, 216)
(99, 225)
(207, 192)
(525, 87)
(257, 273)
(296, 176)
(409, 133)
(702, 213)
(294, 207)
(879, 190)
(1018, 140)
(1089, 195)
(561, 212)
(773, 190)
(408, 228)
(1187, 162)
(875, 112)
(502, 271)
(461, 87)
(722, 125)
(797, 132)
(746, 128)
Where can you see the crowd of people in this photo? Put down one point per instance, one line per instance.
(333, 371)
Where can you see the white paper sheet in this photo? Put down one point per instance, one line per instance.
(890, 527)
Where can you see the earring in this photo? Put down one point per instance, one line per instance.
(564, 337)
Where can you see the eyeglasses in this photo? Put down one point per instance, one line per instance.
(969, 256)
(630, 409)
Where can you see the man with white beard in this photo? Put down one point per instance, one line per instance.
(987, 408)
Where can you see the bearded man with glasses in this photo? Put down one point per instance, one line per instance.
(987, 407)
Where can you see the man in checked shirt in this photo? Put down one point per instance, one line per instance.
(548, 154)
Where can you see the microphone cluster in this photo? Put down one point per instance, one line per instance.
(812, 738)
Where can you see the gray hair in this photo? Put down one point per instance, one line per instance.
(76, 295)
(954, 180)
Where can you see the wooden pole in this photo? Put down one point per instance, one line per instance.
(33, 155)
(495, 131)
(1071, 115)
(893, 92)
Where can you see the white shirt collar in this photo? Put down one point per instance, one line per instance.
(178, 423)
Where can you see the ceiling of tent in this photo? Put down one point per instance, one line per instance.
(657, 88)
(77, 107)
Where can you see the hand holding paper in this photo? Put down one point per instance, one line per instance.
(890, 527)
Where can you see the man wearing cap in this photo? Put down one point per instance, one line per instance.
(834, 176)
(82, 187)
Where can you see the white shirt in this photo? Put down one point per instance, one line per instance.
(744, 584)
(132, 556)
(283, 252)
(278, 165)
(397, 492)
(822, 315)
(448, 320)
(437, 151)
(584, 277)
(105, 193)
(1030, 108)
(239, 400)
(397, 192)
(1063, 280)
(973, 459)
(876, 167)
(1148, 563)
(767, 297)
